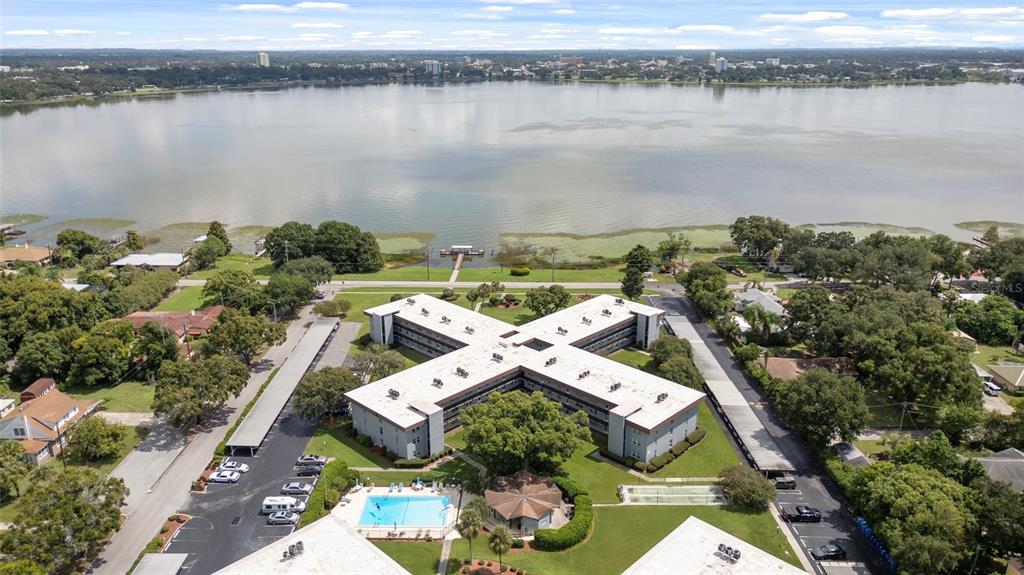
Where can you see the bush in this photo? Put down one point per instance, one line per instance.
(164, 529)
(518, 543)
(680, 448)
(494, 301)
(173, 517)
(570, 487)
(695, 437)
(570, 534)
(510, 299)
(448, 294)
(396, 296)
(640, 466)
(659, 461)
(746, 487)
(363, 439)
(413, 463)
(519, 272)
(746, 353)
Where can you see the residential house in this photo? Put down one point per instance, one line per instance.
(965, 337)
(9, 256)
(748, 298)
(6, 406)
(182, 323)
(1008, 375)
(1006, 466)
(165, 261)
(39, 388)
(40, 425)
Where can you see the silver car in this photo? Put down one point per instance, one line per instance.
(296, 488)
(225, 477)
(233, 466)
(310, 460)
(283, 518)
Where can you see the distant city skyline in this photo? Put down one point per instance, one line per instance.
(506, 24)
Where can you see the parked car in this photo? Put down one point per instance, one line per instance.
(309, 471)
(296, 488)
(319, 294)
(233, 466)
(784, 482)
(992, 389)
(283, 518)
(802, 514)
(311, 459)
(829, 551)
(225, 477)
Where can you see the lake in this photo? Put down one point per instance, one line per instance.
(470, 161)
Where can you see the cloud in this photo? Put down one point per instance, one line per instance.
(564, 11)
(73, 32)
(698, 47)
(520, 2)
(546, 37)
(990, 38)
(498, 8)
(242, 38)
(481, 16)
(316, 25)
(855, 40)
(954, 13)
(478, 33)
(281, 8)
(307, 37)
(400, 34)
(816, 16)
(27, 33)
(705, 28)
(613, 31)
(122, 33)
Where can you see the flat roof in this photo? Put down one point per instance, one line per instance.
(160, 564)
(692, 548)
(416, 386)
(261, 417)
(601, 312)
(615, 384)
(759, 444)
(159, 260)
(330, 547)
(445, 318)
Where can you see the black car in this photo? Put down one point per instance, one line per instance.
(803, 514)
(309, 471)
(829, 551)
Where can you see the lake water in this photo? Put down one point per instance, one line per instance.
(470, 161)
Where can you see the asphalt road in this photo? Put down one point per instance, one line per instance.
(813, 487)
(226, 523)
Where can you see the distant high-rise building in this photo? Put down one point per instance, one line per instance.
(711, 58)
(433, 67)
(772, 61)
(263, 60)
(721, 65)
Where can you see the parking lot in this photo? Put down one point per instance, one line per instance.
(226, 522)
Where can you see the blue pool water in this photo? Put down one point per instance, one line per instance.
(405, 511)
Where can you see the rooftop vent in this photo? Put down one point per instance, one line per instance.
(662, 397)
(469, 329)
(728, 553)
(550, 362)
(438, 382)
(393, 393)
(444, 319)
(619, 301)
(587, 320)
(615, 386)
(461, 372)
(606, 312)
(425, 311)
(497, 356)
(562, 331)
(410, 301)
(584, 373)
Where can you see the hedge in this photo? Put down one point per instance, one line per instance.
(570, 487)
(570, 534)
(696, 436)
(339, 477)
(222, 447)
(519, 272)
(680, 448)
(415, 462)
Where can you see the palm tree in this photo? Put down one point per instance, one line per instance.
(13, 466)
(470, 526)
(500, 542)
(760, 320)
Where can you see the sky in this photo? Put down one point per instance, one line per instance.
(507, 24)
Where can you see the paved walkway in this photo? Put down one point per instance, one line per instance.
(144, 466)
(170, 491)
(442, 563)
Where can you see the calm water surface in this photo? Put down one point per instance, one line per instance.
(468, 162)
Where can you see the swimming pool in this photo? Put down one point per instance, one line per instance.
(426, 511)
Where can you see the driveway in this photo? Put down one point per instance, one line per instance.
(996, 404)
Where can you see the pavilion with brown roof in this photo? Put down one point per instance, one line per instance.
(525, 503)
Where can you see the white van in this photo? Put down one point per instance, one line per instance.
(282, 503)
(992, 389)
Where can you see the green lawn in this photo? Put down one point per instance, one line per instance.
(709, 457)
(418, 557)
(573, 247)
(456, 439)
(333, 442)
(260, 267)
(489, 274)
(453, 471)
(403, 273)
(753, 269)
(602, 479)
(517, 315)
(412, 357)
(623, 534)
(130, 396)
(987, 354)
(634, 358)
(183, 299)
(871, 447)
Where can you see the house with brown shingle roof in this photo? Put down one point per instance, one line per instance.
(790, 368)
(525, 503)
(182, 323)
(40, 425)
(38, 388)
(17, 254)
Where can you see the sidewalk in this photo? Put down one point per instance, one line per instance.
(171, 490)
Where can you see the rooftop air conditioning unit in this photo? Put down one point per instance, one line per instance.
(562, 331)
(619, 301)
(662, 397)
(584, 373)
(469, 329)
(393, 393)
(425, 311)
(497, 356)
(550, 362)
(410, 301)
(587, 320)
(438, 382)
(444, 319)
(615, 386)
(606, 311)
(461, 372)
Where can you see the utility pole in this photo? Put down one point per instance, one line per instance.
(428, 263)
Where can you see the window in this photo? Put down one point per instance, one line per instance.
(382, 431)
(19, 432)
(636, 442)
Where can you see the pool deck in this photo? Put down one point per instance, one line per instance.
(351, 510)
